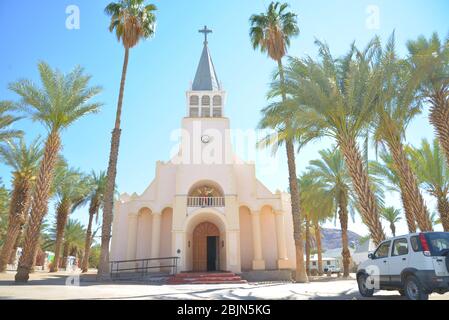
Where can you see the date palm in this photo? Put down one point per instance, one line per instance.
(71, 187)
(73, 240)
(435, 218)
(95, 198)
(62, 100)
(4, 212)
(430, 61)
(317, 205)
(132, 21)
(392, 216)
(24, 161)
(397, 106)
(305, 184)
(336, 98)
(433, 173)
(385, 171)
(271, 32)
(331, 171)
(7, 119)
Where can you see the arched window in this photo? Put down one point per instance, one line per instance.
(205, 191)
(194, 113)
(205, 101)
(217, 100)
(205, 195)
(194, 100)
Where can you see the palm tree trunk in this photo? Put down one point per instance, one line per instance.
(365, 196)
(39, 206)
(410, 218)
(301, 275)
(13, 255)
(87, 244)
(18, 209)
(343, 216)
(439, 118)
(409, 186)
(103, 267)
(443, 210)
(62, 214)
(65, 254)
(319, 248)
(393, 229)
(307, 245)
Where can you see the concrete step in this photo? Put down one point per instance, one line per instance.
(204, 274)
(205, 278)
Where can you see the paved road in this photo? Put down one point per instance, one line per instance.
(54, 286)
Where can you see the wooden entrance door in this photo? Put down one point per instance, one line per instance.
(200, 248)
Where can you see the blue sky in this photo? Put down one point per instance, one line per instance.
(161, 69)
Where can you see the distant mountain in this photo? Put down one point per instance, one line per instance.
(331, 238)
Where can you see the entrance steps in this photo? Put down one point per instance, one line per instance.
(151, 277)
(206, 278)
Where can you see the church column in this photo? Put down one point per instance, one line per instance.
(258, 262)
(132, 236)
(282, 262)
(155, 239)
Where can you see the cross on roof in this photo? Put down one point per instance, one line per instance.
(205, 31)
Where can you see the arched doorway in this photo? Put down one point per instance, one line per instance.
(206, 239)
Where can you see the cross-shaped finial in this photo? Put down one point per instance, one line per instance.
(205, 31)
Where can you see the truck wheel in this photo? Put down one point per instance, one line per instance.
(363, 289)
(414, 290)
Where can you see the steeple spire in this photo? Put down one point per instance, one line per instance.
(205, 78)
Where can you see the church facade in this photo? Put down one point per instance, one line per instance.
(205, 205)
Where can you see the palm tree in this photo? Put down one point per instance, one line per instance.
(435, 219)
(7, 119)
(386, 171)
(331, 171)
(336, 98)
(132, 21)
(433, 173)
(71, 187)
(24, 161)
(317, 205)
(392, 216)
(305, 184)
(74, 234)
(430, 61)
(271, 32)
(95, 198)
(316, 223)
(398, 105)
(62, 100)
(4, 210)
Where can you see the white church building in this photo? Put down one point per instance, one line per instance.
(205, 205)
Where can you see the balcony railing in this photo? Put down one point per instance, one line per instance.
(203, 202)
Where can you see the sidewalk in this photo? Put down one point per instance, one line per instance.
(53, 286)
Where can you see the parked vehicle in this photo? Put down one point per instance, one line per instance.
(331, 269)
(416, 264)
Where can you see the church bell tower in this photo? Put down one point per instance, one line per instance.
(205, 99)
